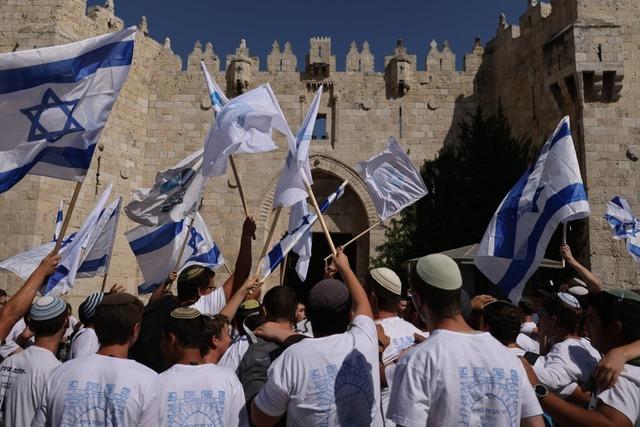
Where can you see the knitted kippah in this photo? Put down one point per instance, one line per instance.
(192, 272)
(250, 304)
(88, 307)
(387, 279)
(185, 313)
(47, 308)
(118, 299)
(439, 271)
(327, 294)
(569, 300)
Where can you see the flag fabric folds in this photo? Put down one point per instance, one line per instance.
(392, 180)
(624, 224)
(58, 226)
(303, 247)
(99, 245)
(291, 188)
(176, 194)
(218, 98)
(244, 125)
(157, 249)
(276, 255)
(549, 193)
(54, 103)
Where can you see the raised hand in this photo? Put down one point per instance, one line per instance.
(249, 227)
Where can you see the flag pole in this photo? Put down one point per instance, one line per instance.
(319, 213)
(356, 238)
(267, 243)
(564, 240)
(184, 245)
(67, 218)
(104, 281)
(227, 267)
(237, 177)
(283, 269)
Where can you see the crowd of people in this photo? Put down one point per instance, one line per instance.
(380, 351)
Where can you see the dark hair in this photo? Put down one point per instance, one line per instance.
(191, 333)
(503, 320)
(48, 328)
(114, 323)
(443, 303)
(280, 304)
(330, 321)
(611, 309)
(214, 326)
(191, 279)
(568, 318)
(386, 300)
(525, 308)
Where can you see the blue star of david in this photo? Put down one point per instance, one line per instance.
(50, 100)
(534, 202)
(195, 239)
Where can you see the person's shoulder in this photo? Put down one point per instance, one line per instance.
(139, 369)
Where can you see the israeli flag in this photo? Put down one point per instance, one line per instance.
(276, 255)
(54, 103)
(244, 125)
(549, 193)
(175, 195)
(98, 247)
(624, 224)
(218, 98)
(157, 250)
(291, 188)
(303, 247)
(58, 226)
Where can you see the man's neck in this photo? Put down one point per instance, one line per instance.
(120, 351)
(48, 343)
(213, 356)
(565, 336)
(284, 324)
(527, 318)
(190, 356)
(384, 314)
(454, 324)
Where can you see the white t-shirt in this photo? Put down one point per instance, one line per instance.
(8, 348)
(203, 395)
(304, 327)
(28, 373)
(527, 328)
(85, 342)
(568, 364)
(211, 303)
(72, 326)
(461, 379)
(527, 343)
(100, 390)
(624, 396)
(400, 333)
(233, 356)
(327, 381)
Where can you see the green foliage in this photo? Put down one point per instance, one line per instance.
(466, 183)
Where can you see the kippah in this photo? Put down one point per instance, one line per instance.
(192, 272)
(47, 308)
(624, 294)
(439, 271)
(185, 313)
(574, 281)
(120, 298)
(250, 304)
(569, 300)
(388, 279)
(88, 307)
(578, 291)
(328, 293)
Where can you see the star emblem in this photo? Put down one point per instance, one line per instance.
(195, 239)
(51, 101)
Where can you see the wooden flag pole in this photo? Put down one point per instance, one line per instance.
(239, 184)
(274, 223)
(357, 237)
(320, 218)
(67, 218)
(228, 269)
(104, 281)
(184, 245)
(283, 269)
(564, 240)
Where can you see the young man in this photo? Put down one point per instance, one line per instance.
(194, 392)
(571, 359)
(458, 376)
(24, 375)
(613, 321)
(105, 388)
(332, 379)
(249, 316)
(218, 335)
(85, 341)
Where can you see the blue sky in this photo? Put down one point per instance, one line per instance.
(261, 22)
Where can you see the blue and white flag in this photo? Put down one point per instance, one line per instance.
(157, 250)
(244, 125)
(393, 182)
(303, 247)
(276, 255)
(58, 226)
(218, 98)
(175, 195)
(291, 188)
(624, 224)
(98, 247)
(549, 193)
(54, 103)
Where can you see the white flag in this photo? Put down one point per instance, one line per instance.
(54, 103)
(176, 194)
(98, 247)
(291, 189)
(393, 182)
(303, 247)
(244, 125)
(58, 227)
(218, 98)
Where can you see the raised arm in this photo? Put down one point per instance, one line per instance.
(360, 302)
(593, 283)
(611, 365)
(243, 261)
(18, 305)
(238, 297)
(160, 290)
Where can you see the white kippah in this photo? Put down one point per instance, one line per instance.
(439, 271)
(47, 308)
(569, 300)
(578, 291)
(388, 279)
(574, 281)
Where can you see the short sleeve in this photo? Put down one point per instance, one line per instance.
(151, 404)
(364, 325)
(410, 400)
(555, 372)
(40, 418)
(273, 399)
(530, 404)
(211, 303)
(624, 397)
(237, 409)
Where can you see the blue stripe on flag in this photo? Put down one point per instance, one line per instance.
(210, 257)
(633, 249)
(157, 239)
(275, 257)
(563, 132)
(67, 70)
(507, 219)
(93, 264)
(60, 273)
(519, 267)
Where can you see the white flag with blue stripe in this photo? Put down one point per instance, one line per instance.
(218, 98)
(175, 195)
(549, 193)
(54, 103)
(276, 255)
(291, 188)
(304, 246)
(157, 250)
(624, 224)
(58, 226)
(98, 247)
(244, 125)
(393, 182)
